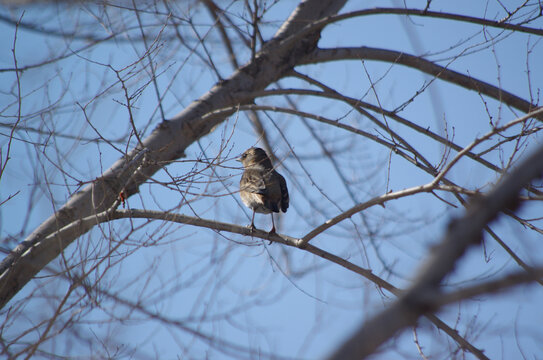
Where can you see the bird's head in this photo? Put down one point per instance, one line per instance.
(255, 157)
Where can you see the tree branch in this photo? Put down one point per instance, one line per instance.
(462, 233)
(86, 224)
(169, 140)
(426, 66)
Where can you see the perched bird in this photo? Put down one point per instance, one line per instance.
(261, 188)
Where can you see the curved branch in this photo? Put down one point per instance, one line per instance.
(498, 24)
(493, 286)
(479, 140)
(461, 234)
(74, 229)
(391, 146)
(426, 66)
(168, 141)
(355, 102)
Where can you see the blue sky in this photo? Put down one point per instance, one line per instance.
(275, 297)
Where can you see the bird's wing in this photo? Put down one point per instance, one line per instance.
(253, 182)
(284, 193)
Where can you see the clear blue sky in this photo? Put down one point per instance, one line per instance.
(273, 296)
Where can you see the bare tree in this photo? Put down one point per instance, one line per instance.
(431, 112)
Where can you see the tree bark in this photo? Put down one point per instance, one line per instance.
(167, 142)
(422, 297)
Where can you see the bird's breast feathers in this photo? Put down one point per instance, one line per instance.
(262, 191)
(255, 202)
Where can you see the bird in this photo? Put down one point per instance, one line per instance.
(262, 189)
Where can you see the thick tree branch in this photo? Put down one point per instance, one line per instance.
(462, 233)
(169, 140)
(74, 229)
(426, 66)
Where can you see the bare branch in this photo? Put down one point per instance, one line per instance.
(462, 233)
(426, 66)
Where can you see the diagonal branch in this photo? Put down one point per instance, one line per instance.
(461, 234)
(426, 66)
(169, 140)
(106, 216)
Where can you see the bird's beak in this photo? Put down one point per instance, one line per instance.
(239, 159)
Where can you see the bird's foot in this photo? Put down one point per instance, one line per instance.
(272, 231)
